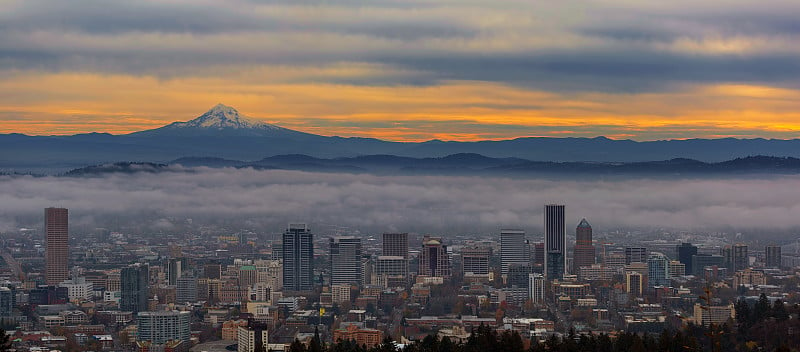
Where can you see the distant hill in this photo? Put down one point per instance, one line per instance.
(467, 164)
(223, 134)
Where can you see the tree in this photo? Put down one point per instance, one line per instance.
(779, 310)
(297, 346)
(5, 341)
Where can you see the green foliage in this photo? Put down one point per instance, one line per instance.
(5, 341)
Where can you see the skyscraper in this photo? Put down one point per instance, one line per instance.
(253, 337)
(512, 249)
(772, 256)
(475, 261)
(345, 255)
(434, 260)
(555, 241)
(685, 252)
(134, 281)
(634, 282)
(584, 253)
(635, 255)
(56, 223)
(298, 258)
(536, 287)
(736, 257)
(657, 270)
(395, 245)
(174, 270)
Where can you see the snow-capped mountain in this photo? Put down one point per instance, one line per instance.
(220, 120)
(222, 116)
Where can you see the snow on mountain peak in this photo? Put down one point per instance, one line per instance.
(222, 116)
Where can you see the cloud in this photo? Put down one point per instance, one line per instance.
(574, 45)
(267, 200)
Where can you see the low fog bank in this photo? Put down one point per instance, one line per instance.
(267, 200)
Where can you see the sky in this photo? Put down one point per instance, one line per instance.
(407, 70)
(267, 200)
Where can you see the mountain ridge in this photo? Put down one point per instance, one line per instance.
(222, 132)
(459, 165)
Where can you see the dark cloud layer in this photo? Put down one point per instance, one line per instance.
(609, 45)
(269, 199)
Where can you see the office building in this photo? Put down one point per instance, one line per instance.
(634, 282)
(174, 270)
(736, 257)
(298, 258)
(395, 245)
(536, 287)
(434, 259)
(78, 289)
(749, 277)
(345, 256)
(555, 241)
(657, 270)
(134, 293)
(676, 269)
(584, 252)
(186, 289)
(772, 256)
(635, 255)
(538, 254)
(163, 326)
(7, 300)
(702, 261)
(253, 337)
(392, 271)
(518, 275)
(707, 315)
(475, 261)
(56, 227)
(685, 252)
(512, 249)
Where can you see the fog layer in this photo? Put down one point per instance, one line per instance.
(267, 200)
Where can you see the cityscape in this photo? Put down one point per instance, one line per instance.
(304, 290)
(399, 176)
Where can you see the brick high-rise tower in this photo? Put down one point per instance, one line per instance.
(584, 252)
(56, 227)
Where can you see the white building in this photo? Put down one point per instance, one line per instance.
(536, 287)
(248, 337)
(78, 289)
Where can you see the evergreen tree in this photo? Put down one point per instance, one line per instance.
(5, 341)
(297, 346)
(779, 310)
(316, 344)
(762, 310)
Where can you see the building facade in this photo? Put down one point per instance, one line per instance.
(512, 249)
(134, 290)
(56, 226)
(555, 241)
(434, 259)
(162, 326)
(772, 256)
(345, 255)
(298, 258)
(584, 252)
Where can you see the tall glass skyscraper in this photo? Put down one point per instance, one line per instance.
(298, 258)
(134, 281)
(512, 249)
(555, 241)
(345, 254)
(657, 270)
